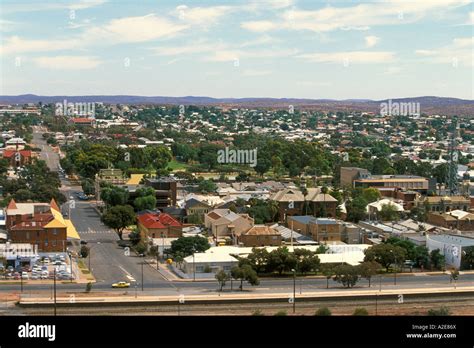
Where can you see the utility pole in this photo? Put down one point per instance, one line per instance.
(54, 272)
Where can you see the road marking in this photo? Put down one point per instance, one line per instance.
(127, 274)
(131, 278)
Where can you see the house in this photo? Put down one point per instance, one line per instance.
(165, 190)
(260, 235)
(445, 204)
(455, 219)
(324, 230)
(321, 204)
(82, 121)
(376, 207)
(197, 208)
(290, 202)
(227, 226)
(39, 224)
(17, 158)
(156, 225)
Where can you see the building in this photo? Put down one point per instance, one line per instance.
(157, 225)
(39, 224)
(324, 230)
(226, 226)
(17, 158)
(196, 208)
(406, 182)
(455, 219)
(349, 174)
(290, 202)
(445, 204)
(165, 190)
(453, 248)
(260, 235)
(19, 254)
(321, 204)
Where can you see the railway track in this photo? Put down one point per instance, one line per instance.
(463, 305)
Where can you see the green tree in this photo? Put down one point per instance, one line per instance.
(347, 275)
(368, 269)
(258, 259)
(356, 209)
(389, 213)
(145, 203)
(306, 260)
(385, 254)
(328, 271)
(323, 312)
(360, 311)
(114, 195)
(88, 186)
(371, 194)
(207, 186)
(186, 245)
(281, 260)
(119, 217)
(222, 277)
(245, 273)
(437, 259)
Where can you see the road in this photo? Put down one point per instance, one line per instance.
(109, 262)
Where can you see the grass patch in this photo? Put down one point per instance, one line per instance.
(176, 166)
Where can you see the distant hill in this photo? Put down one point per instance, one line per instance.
(428, 104)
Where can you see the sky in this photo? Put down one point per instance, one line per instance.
(252, 48)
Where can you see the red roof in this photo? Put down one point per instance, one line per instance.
(12, 205)
(82, 120)
(11, 153)
(162, 220)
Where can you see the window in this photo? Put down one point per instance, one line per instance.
(199, 268)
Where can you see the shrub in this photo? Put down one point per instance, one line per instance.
(360, 311)
(84, 251)
(258, 313)
(281, 314)
(140, 248)
(323, 312)
(439, 312)
(89, 287)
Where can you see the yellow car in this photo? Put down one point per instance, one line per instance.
(121, 285)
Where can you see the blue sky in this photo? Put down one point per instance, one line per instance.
(253, 48)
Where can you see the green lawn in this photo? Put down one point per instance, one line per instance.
(175, 165)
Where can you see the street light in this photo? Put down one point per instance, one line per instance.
(142, 255)
(194, 265)
(90, 255)
(294, 290)
(54, 273)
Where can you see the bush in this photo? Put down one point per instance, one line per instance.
(89, 287)
(281, 314)
(323, 312)
(360, 311)
(439, 312)
(84, 251)
(140, 248)
(258, 313)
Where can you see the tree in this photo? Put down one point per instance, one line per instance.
(467, 259)
(453, 274)
(119, 217)
(439, 312)
(207, 186)
(370, 194)
(388, 212)
(306, 260)
(323, 312)
(222, 277)
(360, 311)
(385, 254)
(187, 245)
(245, 272)
(258, 259)
(347, 275)
(356, 209)
(145, 203)
(328, 271)
(368, 269)
(88, 287)
(84, 252)
(114, 195)
(437, 259)
(88, 186)
(322, 249)
(281, 260)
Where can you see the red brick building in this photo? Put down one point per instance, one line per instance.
(156, 224)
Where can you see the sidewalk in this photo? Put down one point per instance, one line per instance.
(244, 296)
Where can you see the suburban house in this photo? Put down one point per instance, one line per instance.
(196, 208)
(157, 225)
(260, 235)
(227, 226)
(39, 224)
(455, 219)
(445, 204)
(17, 158)
(290, 202)
(321, 204)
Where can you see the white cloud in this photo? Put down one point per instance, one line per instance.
(50, 6)
(15, 44)
(349, 57)
(425, 52)
(259, 26)
(67, 62)
(459, 52)
(201, 15)
(371, 40)
(358, 17)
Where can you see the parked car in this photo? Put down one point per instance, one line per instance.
(24, 276)
(35, 276)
